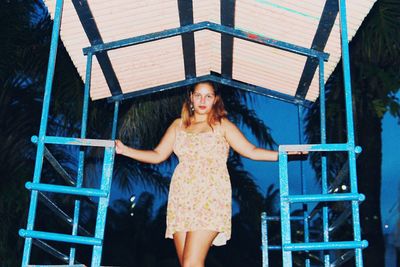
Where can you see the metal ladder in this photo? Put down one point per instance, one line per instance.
(353, 197)
(75, 185)
(103, 193)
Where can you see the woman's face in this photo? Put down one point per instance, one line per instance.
(203, 98)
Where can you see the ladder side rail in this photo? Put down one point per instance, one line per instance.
(324, 169)
(106, 181)
(264, 239)
(115, 120)
(43, 126)
(350, 125)
(306, 232)
(81, 157)
(285, 206)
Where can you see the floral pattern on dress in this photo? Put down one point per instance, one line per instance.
(200, 193)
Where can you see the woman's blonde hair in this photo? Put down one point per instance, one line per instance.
(217, 111)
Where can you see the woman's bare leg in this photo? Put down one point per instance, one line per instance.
(179, 240)
(196, 248)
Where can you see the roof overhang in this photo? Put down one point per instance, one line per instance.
(267, 46)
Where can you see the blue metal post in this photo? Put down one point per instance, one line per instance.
(106, 180)
(115, 120)
(324, 178)
(264, 239)
(43, 126)
(303, 188)
(350, 126)
(79, 179)
(285, 207)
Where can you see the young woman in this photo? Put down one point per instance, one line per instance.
(199, 202)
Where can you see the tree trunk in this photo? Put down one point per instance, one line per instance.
(368, 132)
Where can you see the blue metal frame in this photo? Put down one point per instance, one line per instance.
(76, 189)
(324, 171)
(187, 30)
(350, 148)
(350, 126)
(217, 79)
(115, 121)
(264, 239)
(206, 25)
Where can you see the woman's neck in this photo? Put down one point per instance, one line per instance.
(199, 118)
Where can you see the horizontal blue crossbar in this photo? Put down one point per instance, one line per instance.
(274, 247)
(324, 197)
(91, 192)
(206, 25)
(74, 141)
(277, 218)
(315, 147)
(220, 80)
(60, 237)
(325, 245)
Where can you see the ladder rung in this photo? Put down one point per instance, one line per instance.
(324, 197)
(315, 147)
(58, 140)
(325, 245)
(92, 192)
(61, 237)
(273, 247)
(278, 218)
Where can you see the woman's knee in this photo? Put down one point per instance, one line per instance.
(189, 261)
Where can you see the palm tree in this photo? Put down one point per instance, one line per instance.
(375, 60)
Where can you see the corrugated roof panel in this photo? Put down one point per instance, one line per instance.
(268, 66)
(133, 18)
(161, 60)
(206, 10)
(278, 21)
(98, 86)
(208, 52)
(152, 64)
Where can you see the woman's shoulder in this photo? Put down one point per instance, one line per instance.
(226, 123)
(177, 123)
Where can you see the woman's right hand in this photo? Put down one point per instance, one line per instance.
(119, 147)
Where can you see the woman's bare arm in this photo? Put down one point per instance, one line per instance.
(241, 145)
(159, 154)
